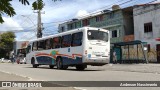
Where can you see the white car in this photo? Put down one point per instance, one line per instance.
(22, 61)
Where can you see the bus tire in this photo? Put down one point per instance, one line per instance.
(51, 66)
(65, 67)
(81, 67)
(33, 63)
(59, 63)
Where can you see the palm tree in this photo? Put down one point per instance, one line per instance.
(6, 7)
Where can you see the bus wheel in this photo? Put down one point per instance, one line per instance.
(65, 67)
(81, 67)
(59, 63)
(51, 66)
(33, 63)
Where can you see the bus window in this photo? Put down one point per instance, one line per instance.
(97, 35)
(34, 48)
(77, 39)
(48, 44)
(41, 45)
(57, 42)
(66, 40)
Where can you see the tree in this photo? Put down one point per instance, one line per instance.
(6, 7)
(6, 43)
(38, 5)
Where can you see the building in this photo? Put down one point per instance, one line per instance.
(118, 21)
(19, 47)
(147, 28)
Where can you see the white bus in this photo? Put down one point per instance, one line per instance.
(79, 48)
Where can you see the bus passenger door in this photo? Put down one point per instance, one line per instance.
(28, 54)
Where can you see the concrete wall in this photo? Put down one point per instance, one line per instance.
(128, 21)
(145, 14)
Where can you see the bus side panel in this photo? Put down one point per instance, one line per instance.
(44, 57)
(70, 61)
(71, 55)
(45, 60)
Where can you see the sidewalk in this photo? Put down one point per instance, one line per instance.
(143, 68)
(11, 77)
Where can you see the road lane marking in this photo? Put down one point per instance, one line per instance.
(29, 78)
(79, 88)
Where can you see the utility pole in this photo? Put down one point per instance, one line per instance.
(39, 25)
(38, 6)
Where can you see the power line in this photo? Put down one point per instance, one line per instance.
(123, 3)
(91, 13)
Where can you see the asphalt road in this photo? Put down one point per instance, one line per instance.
(134, 72)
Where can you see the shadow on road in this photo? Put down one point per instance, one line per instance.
(69, 69)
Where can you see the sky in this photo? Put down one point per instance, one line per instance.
(53, 14)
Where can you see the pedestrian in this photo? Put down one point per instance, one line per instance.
(114, 57)
(13, 59)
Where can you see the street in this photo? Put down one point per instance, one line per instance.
(115, 72)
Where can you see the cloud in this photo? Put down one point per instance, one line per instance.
(10, 25)
(81, 13)
(22, 36)
(55, 11)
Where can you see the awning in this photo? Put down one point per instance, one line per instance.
(157, 39)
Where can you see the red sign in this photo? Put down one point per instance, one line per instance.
(157, 39)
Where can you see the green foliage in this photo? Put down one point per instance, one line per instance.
(38, 5)
(6, 8)
(24, 2)
(6, 40)
(6, 43)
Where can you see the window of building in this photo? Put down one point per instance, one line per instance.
(99, 18)
(148, 27)
(85, 22)
(41, 45)
(66, 40)
(75, 25)
(111, 15)
(48, 43)
(77, 39)
(115, 33)
(34, 48)
(62, 29)
(70, 26)
(78, 24)
(57, 42)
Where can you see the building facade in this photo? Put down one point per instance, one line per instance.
(118, 21)
(147, 28)
(19, 47)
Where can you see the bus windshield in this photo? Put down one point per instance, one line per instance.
(97, 35)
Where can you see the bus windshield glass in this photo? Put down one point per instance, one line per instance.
(97, 35)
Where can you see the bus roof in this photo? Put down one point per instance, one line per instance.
(66, 32)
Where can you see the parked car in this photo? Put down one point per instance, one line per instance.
(21, 59)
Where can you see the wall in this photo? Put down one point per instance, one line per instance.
(144, 14)
(113, 20)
